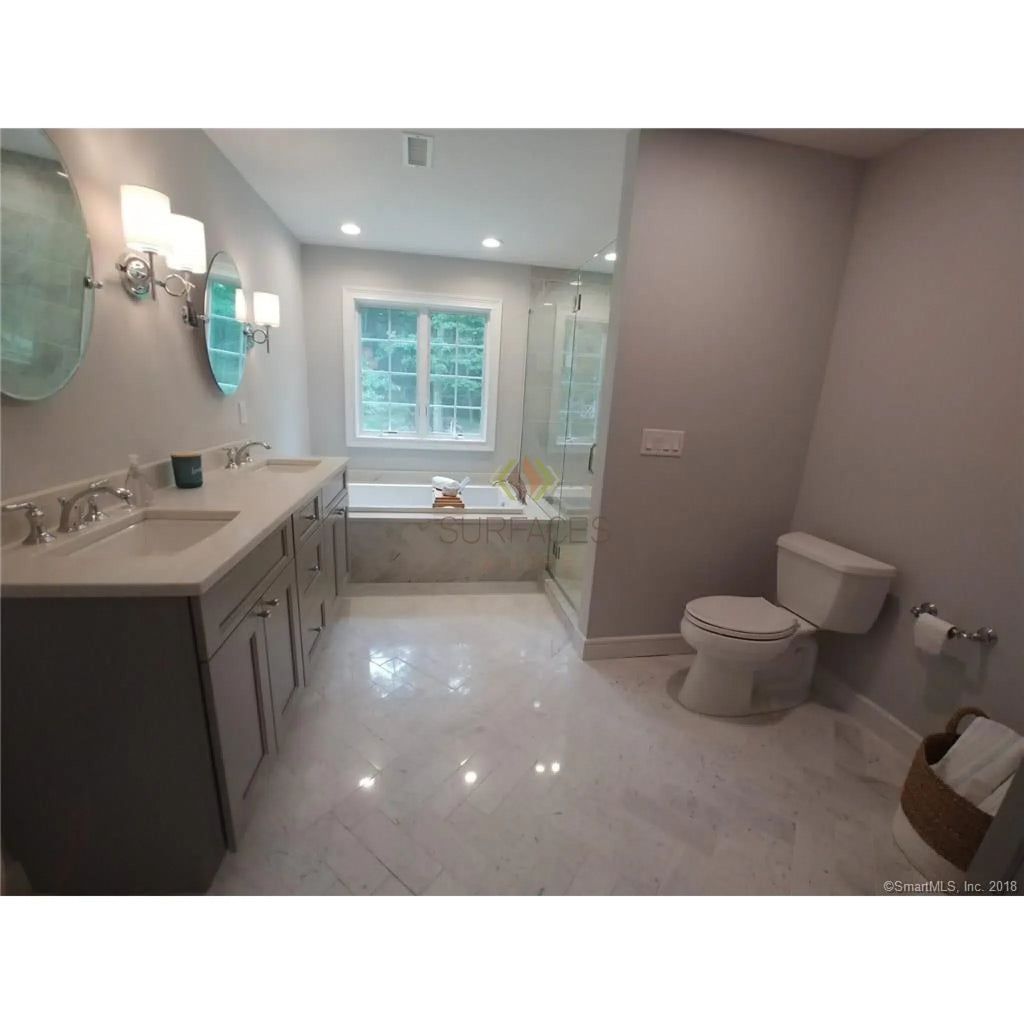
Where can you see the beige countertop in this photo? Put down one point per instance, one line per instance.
(260, 498)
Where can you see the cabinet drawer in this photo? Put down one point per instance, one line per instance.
(222, 608)
(307, 518)
(333, 491)
(312, 562)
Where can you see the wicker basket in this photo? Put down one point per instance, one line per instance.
(949, 823)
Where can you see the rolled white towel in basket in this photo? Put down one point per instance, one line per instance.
(985, 757)
(992, 803)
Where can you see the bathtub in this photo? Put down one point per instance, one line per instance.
(385, 497)
(396, 536)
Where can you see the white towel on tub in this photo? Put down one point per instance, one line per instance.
(981, 760)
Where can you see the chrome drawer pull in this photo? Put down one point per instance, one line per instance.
(315, 568)
(263, 614)
(310, 519)
(272, 602)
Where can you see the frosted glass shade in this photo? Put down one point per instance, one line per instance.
(240, 308)
(266, 309)
(187, 244)
(145, 218)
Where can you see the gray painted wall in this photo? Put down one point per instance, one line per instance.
(326, 270)
(731, 252)
(145, 385)
(917, 455)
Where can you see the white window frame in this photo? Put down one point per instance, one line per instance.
(424, 302)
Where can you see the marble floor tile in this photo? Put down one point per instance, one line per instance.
(453, 744)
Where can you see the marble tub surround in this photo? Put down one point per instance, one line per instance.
(260, 498)
(452, 743)
(449, 548)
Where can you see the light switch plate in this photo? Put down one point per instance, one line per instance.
(667, 443)
(243, 413)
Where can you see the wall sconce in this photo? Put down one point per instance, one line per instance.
(150, 229)
(266, 312)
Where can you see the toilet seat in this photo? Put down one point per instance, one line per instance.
(746, 618)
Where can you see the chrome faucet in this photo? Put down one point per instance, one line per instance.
(37, 531)
(68, 505)
(234, 452)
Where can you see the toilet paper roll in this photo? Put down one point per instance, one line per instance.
(931, 634)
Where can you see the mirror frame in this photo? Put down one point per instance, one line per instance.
(90, 285)
(207, 324)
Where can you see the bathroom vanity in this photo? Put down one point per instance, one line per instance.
(149, 664)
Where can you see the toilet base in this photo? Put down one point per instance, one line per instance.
(727, 688)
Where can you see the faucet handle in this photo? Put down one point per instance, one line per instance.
(37, 531)
(99, 483)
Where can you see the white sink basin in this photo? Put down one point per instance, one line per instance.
(288, 465)
(146, 533)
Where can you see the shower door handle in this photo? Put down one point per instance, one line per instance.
(590, 458)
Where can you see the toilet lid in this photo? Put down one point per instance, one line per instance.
(752, 618)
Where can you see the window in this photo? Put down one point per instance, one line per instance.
(579, 382)
(421, 371)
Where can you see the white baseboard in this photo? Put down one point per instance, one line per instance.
(599, 648)
(649, 646)
(831, 690)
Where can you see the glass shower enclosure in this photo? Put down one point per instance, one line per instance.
(565, 366)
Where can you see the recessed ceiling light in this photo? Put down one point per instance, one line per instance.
(348, 228)
(575, 284)
(610, 257)
(491, 243)
(536, 705)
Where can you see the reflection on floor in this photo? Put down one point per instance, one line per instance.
(455, 744)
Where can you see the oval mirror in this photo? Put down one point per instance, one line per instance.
(45, 269)
(225, 315)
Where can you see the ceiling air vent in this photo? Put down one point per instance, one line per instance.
(417, 150)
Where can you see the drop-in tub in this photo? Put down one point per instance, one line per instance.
(396, 536)
(480, 499)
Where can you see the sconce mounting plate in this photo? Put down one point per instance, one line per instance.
(136, 274)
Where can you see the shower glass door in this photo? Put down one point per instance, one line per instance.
(580, 340)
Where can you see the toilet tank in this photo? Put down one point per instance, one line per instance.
(830, 586)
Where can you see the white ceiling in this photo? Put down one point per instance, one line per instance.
(551, 196)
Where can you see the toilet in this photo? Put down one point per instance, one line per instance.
(754, 656)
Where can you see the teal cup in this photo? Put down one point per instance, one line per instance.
(188, 469)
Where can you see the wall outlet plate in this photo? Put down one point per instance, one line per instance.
(667, 443)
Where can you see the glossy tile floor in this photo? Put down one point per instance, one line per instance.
(455, 744)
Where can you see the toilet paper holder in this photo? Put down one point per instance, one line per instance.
(982, 635)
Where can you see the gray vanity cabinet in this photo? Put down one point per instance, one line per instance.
(337, 523)
(252, 681)
(314, 567)
(132, 748)
(279, 609)
(244, 737)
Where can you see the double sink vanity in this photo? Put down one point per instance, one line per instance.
(150, 660)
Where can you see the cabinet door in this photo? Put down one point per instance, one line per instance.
(339, 526)
(314, 567)
(279, 608)
(243, 721)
